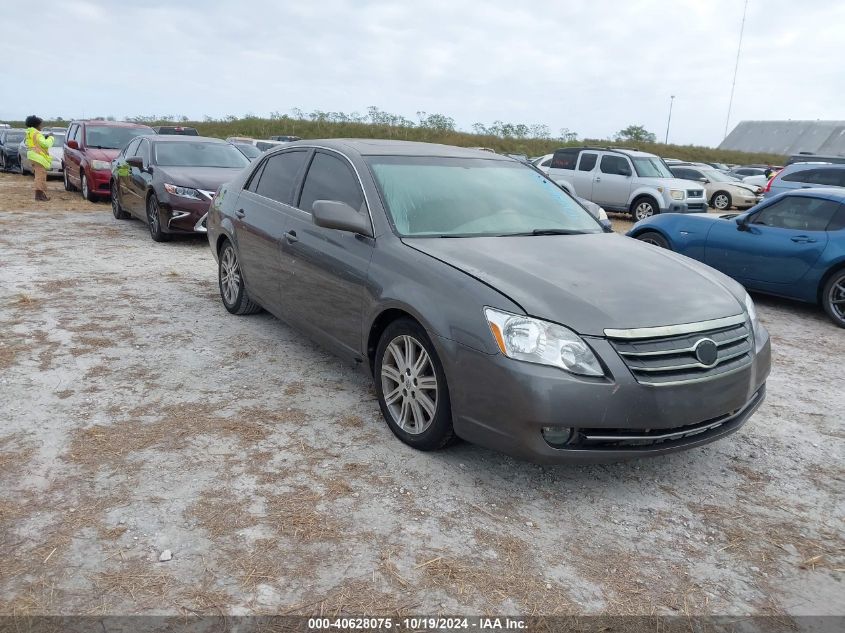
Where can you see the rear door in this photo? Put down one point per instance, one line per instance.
(72, 156)
(584, 174)
(262, 217)
(328, 267)
(612, 181)
(138, 179)
(781, 243)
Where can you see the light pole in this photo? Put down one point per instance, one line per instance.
(671, 101)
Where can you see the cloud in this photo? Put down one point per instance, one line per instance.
(591, 67)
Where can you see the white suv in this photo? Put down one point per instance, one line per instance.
(625, 180)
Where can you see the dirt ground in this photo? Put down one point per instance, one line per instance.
(139, 416)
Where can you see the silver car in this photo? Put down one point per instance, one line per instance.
(485, 303)
(55, 154)
(723, 191)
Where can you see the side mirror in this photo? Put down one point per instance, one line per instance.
(331, 214)
(704, 180)
(135, 161)
(72, 144)
(742, 223)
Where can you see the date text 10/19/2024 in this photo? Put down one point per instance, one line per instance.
(417, 624)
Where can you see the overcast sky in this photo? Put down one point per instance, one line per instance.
(593, 66)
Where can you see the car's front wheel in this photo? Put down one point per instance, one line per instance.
(116, 207)
(652, 237)
(233, 291)
(154, 220)
(643, 208)
(85, 188)
(722, 200)
(411, 387)
(833, 298)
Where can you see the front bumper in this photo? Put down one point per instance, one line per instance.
(686, 206)
(183, 215)
(504, 404)
(99, 181)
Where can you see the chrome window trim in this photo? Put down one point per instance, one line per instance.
(674, 330)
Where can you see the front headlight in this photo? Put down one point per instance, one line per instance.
(535, 341)
(751, 310)
(100, 164)
(182, 192)
(677, 194)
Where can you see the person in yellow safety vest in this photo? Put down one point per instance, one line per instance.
(38, 146)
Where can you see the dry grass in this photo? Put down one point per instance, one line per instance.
(295, 515)
(88, 344)
(354, 597)
(144, 582)
(294, 388)
(494, 583)
(221, 513)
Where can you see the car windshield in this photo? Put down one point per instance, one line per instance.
(112, 137)
(469, 197)
(198, 155)
(248, 149)
(714, 175)
(651, 168)
(14, 137)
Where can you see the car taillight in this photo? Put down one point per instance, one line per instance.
(769, 184)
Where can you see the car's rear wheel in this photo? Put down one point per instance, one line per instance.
(411, 387)
(116, 207)
(68, 186)
(643, 208)
(85, 189)
(154, 220)
(833, 298)
(721, 200)
(233, 291)
(652, 237)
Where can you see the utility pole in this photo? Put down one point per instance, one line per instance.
(669, 122)
(736, 68)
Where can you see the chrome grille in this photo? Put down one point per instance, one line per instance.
(695, 193)
(668, 356)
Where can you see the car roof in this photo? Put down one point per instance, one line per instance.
(183, 138)
(378, 147)
(109, 123)
(837, 194)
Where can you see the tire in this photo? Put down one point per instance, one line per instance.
(420, 416)
(68, 186)
(116, 207)
(833, 297)
(154, 220)
(233, 291)
(643, 208)
(3, 162)
(84, 189)
(721, 200)
(652, 237)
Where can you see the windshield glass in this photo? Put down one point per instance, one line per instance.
(14, 137)
(110, 137)
(467, 197)
(198, 155)
(651, 168)
(251, 151)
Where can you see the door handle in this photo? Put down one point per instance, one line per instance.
(802, 239)
(240, 213)
(597, 179)
(291, 237)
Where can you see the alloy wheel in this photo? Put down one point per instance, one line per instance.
(836, 298)
(152, 216)
(230, 276)
(720, 202)
(84, 186)
(409, 384)
(643, 210)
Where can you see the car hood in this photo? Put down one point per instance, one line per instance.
(208, 178)
(590, 282)
(752, 189)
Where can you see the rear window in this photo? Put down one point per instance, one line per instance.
(279, 176)
(587, 162)
(565, 159)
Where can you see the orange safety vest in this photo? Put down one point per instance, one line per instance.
(37, 148)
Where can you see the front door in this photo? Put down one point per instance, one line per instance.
(612, 181)
(780, 243)
(328, 267)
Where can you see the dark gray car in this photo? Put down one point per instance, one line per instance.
(486, 303)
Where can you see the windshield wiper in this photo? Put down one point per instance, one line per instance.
(547, 232)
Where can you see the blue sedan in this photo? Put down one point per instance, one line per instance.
(792, 245)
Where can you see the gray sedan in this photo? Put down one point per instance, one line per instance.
(486, 303)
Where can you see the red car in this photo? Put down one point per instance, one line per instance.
(90, 147)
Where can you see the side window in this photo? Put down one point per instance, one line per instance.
(144, 151)
(800, 213)
(330, 178)
(73, 133)
(252, 183)
(546, 163)
(838, 221)
(131, 148)
(587, 162)
(616, 165)
(680, 172)
(279, 176)
(565, 159)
